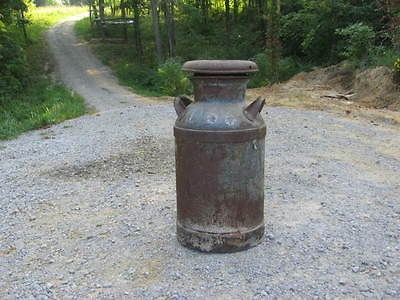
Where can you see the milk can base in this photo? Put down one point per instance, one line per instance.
(219, 242)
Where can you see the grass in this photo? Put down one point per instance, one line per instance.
(42, 102)
(381, 56)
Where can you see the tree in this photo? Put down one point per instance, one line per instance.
(205, 4)
(138, 36)
(227, 25)
(272, 40)
(12, 57)
(358, 40)
(156, 29)
(169, 11)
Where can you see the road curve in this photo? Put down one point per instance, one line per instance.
(81, 71)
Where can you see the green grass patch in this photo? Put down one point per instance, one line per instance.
(41, 104)
(36, 101)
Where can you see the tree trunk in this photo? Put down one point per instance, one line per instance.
(90, 12)
(170, 22)
(156, 29)
(123, 15)
(262, 15)
(273, 42)
(23, 25)
(101, 10)
(102, 17)
(94, 9)
(204, 11)
(136, 24)
(235, 10)
(113, 8)
(227, 26)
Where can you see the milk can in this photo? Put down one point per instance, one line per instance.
(219, 159)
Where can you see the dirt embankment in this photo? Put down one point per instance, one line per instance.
(369, 93)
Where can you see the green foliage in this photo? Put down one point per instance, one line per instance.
(41, 104)
(13, 65)
(139, 77)
(287, 68)
(301, 33)
(164, 79)
(172, 80)
(396, 65)
(46, 2)
(358, 40)
(382, 56)
(27, 99)
(309, 32)
(261, 77)
(82, 28)
(197, 40)
(396, 70)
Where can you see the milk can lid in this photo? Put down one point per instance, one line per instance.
(220, 67)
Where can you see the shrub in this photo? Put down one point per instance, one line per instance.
(261, 77)
(172, 80)
(13, 66)
(358, 40)
(396, 67)
(288, 67)
(382, 56)
(137, 75)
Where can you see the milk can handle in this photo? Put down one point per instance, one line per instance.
(254, 109)
(180, 104)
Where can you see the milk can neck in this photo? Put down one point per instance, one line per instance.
(219, 88)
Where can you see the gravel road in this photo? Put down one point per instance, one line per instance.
(87, 207)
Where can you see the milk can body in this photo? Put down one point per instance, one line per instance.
(219, 160)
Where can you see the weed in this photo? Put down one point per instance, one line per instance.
(172, 80)
(43, 103)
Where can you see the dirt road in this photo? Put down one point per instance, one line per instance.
(87, 207)
(81, 71)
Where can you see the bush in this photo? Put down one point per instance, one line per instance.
(137, 75)
(47, 2)
(382, 56)
(172, 80)
(288, 67)
(358, 40)
(396, 69)
(13, 66)
(264, 66)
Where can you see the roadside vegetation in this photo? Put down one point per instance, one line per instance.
(145, 41)
(29, 98)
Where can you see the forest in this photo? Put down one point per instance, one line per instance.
(146, 41)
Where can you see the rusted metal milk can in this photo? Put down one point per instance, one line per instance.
(219, 159)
